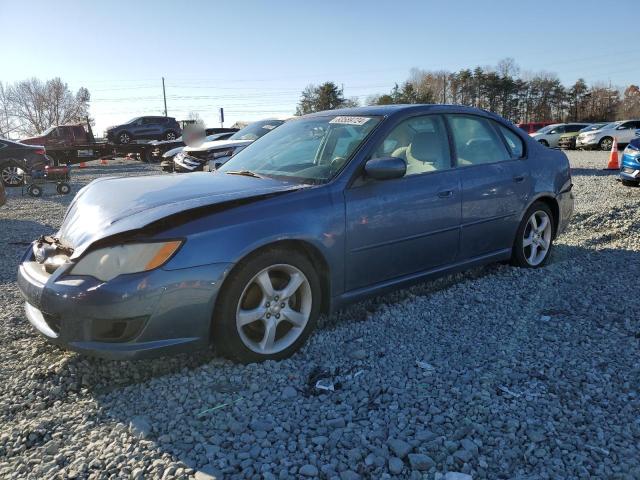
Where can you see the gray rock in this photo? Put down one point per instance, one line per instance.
(420, 462)
(395, 465)
(289, 392)
(399, 447)
(140, 427)
(308, 471)
(457, 476)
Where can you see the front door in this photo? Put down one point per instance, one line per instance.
(406, 225)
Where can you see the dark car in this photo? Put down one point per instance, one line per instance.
(17, 158)
(144, 128)
(325, 210)
(159, 147)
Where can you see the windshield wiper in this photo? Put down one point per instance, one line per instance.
(246, 173)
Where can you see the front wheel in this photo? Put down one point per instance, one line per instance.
(534, 238)
(605, 144)
(170, 136)
(543, 142)
(267, 307)
(124, 138)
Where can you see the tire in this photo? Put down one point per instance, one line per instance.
(34, 190)
(11, 175)
(630, 183)
(170, 135)
(526, 241)
(605, 144)
(63, 188)
(123, 138)
(241, 292)
(543, 142)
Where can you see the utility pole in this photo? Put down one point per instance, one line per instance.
(164, 94)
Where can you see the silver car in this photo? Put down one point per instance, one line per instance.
(549, 135)
(623, 131)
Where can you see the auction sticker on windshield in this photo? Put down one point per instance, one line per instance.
(351, 120)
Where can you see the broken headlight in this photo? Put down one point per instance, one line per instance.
(107, 263)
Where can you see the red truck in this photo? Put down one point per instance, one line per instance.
(75, 143)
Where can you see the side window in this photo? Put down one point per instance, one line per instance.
(516, 146)
(476, 141)
(626, 125)
(422, 142)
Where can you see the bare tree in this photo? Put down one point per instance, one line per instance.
(35, 105)
(195, 116)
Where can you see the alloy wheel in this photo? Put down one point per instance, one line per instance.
(537, 238)
(171, 136)
(274, 309)
(606, 144)
(12, 176)
(124, 138)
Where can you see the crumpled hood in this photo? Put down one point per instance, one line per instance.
(218, 144)
(108, 206)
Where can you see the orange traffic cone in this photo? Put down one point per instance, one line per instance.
(614, 163)
(83, 165)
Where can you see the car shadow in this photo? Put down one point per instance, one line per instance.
(192, 406)
(593, 172)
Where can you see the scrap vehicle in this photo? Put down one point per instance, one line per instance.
(630, 168)
(75, 143)
(17, 158)
(167, 163)
(323, 211)
(550, 135)
(159, 147)
(567, 141)
(211, 155)
(602, 139)
(144, 128)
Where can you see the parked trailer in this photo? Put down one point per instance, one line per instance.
(69, 144)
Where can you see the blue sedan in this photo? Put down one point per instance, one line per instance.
(325, 210)
(630, 168)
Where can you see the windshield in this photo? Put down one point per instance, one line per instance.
(611, 125)
(255, 130)
(548, 128)
(308, 150)
(595, 126)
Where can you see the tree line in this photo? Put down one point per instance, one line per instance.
(521, 98)
(29, 107)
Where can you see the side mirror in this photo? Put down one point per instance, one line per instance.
(552, 132)
(385, 168)
(621, 127)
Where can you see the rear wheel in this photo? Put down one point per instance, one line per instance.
(63, 188)
(534, 238)
(606, 143)
(267, 307)
(34, 190)
(12, 175)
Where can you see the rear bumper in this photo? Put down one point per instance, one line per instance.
(132, 316)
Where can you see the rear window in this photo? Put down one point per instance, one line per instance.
(514, 142)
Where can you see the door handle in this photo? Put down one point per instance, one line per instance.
(445, 194)
(518, 179)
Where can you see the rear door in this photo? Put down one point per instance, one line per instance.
(495, 183)
(407, 225)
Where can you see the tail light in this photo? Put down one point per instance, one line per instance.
(40, 151)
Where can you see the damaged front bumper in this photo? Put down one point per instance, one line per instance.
(139, 315)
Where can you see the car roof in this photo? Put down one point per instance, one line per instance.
(388, 110)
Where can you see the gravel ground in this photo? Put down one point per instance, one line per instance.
(496, 373)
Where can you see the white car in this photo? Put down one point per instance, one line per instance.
(549, 135)
(624, 131)
(211, 155)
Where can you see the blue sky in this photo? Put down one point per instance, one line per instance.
(254, 57)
